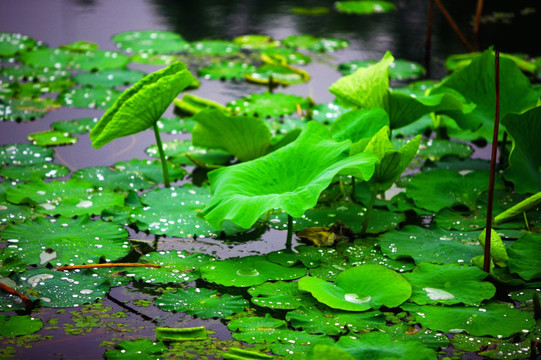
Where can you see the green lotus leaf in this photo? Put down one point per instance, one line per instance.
(524, 169)
(13, 43)
(252, 41)
(153, 59)
(328, 352)
(191, 104)
(359, 124)
(176, 267)
(71, 241)
(17, 325)
(213, 47)
(296, 344)
(181, 334)
(133, 349)
(494, 319)
(280, 295)
(335, 322)
(523, 206)
(403, 332)
(491, 348)
(36, 89)
(109, 78)
(282, 128)
(313, 43)
(149, 169)
(80, 46)
(48, 58)
(358, 254)
(245, 137)
(10, 263)
(100, 98)
(10, 302)
(42, 171)
(398, 70)
(290, 56)
(139, 107)
(360, 288)
(364, 7)
(75, 126)
(458, 61)
(417, 88)
(267, 104)
(498, 253)
(430, 245)
(248, 271)
(69, 198)
(226, 70)
(309, 256)
(525, 257)
(22, 73)
(379, 346)
(437, 149)
(97, 60)
(176, 125)
(10, 213)
(290, 178)
(439, 188)
(449, 284)
(328, 113)
(280, 74)
(515, 91)
(26, 109)
(51, 138)
(182, 151)
(59, 289)
(310, 11)
(202, 302)
(251, 323)
(150, 41)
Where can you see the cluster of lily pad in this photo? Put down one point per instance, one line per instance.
(278, 160)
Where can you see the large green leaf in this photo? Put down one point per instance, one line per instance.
(290, 178)
(25, 173)
(525, 257)
(13, 43)
(524, 169)
(16, 325)
(139, 107)
(245, 137)
(359, 124)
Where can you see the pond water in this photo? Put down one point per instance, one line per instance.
(57, 22)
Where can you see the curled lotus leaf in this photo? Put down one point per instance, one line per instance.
(290, 56)
(268, 105)
(248, 271)
(150, 42)
(280, 74)
(360, 288)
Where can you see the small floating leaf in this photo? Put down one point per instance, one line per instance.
(267, 104)
(100, 98)
(150, 42)
(52, 138)
(290, 56)
(17, 325)
(136, 349)
(364, 7)
(316, 44)
(75, 126)
(42, 171)
(109, 78)
(226, 70)
(181, 334)
(14, 43)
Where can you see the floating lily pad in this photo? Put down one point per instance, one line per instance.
(133, 349)
(437, 149)
(358, 254)
(25, 154)
(406, 332)
(280, 74)
(176, 125)
(202, 302)
(26, 109)
(430, 245)
(226, 70)
(398, 70)
(449, 284)
(525, 257)
(100, 98)
(255, 329)
(364, 7)
(494, 319)
(360, 288)
(13, 43)
(248, 271)
(69, 241)
(149, 169)
(42, 171)
(309, 256)
(75, 126)
(267, 104)
(316, 44)
(213, 47)
(52, 138)
(150, 41)
(36, 89)
(280, 295)
(90, 60)
(109, 78)
(290, 56)
(10, 213)
(176, 267)
(22, 73)
(180, 152)
(69, 198)
(154, 59)
(80, 46)
(328, 113)
(17, 325)
(255, 42)
(310, 11)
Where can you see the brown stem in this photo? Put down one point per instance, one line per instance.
(477, 21)
(486, 264)
(453, 25)
(428, 37)
(26, 300)
(106, 265)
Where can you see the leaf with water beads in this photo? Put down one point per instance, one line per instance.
(226, 70)
(66, 240)
(89, 60)
(491, 348)
(280, 74)
(175, 125)
(93, 98)
(280, 295)
(309, 256)
(109, 78)
(268, 104)
(316, 44)
(150, 41)
(17, 325)
(136, 349)
(359, 254)
(180, 152)
(364, 7)
(25, 73)
(290, 56)
(150, 170)
(51, 138)
(42, 171)
(328, 113)
(202, 302)
(11, 213)
(75, 126)
(26, 109)
(398, 70)
(214, 47)
(435, 149)
(14, 43)
(176, 267)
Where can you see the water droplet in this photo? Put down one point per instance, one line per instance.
(355, 299)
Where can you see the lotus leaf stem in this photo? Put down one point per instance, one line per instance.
(428, 37)
(289, 231)
(369, 209)
(453, 25)
(478, 13)
(26, 300)
(162, 155)
(526, 221)
(106, 265)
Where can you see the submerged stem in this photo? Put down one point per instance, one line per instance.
(162, 155)
(289, 231)
(369, 209)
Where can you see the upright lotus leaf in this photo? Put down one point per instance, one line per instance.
(476, 84)
(364, 7)
(192, 104)
(360, 288)
(359, 124)
(525, 257)
(142, 105)
(17, 325)
(524, 169)
(136, 349)
(498, 253)
(290, 178)
(449, 284)
(494, 319)
(245, 137)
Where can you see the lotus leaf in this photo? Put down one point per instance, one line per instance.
(489, 347)
(226, 70)
(449, 284)
(335, 322)
(309, 256)
(146, 101)
(360, 288)
(279, 295)
(498, 253)
(133, 349)
(182, 151)
(89, 60)
(42, 171)
(310, 11)
(290, 178)
(202, 302)
(328, 352)
(458, 61)
(430, 245)
(377, 345)
(73, 241)
(153, 59)
(267, 104)
(109, 78)
(358, 254)
(191, 104)
(17, 325)
(80, 46)
(248, 271)
(213, 47)
(253, 41)
(13, 43)
(398, 70)
(437, 149)
(364, 7)
(417, 88)
(69, 198)
(525, 257)
(313, 43)
(176, 267)
(75, 126)
(150, 41)
(176, 125)
(26, 109)
(289, 55)
(494, 319)
(359, 124)
(330, 270)
(245, 137)
(295, 344)
(240, 354)
(529, 203)
(251, 323)
(150, 170)
(100, 98)
(405, 332)
(22, 73)
(280, 74)
(36, 89)
(524, 169)
(63, 288)
(10, 263)
(52, 138)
